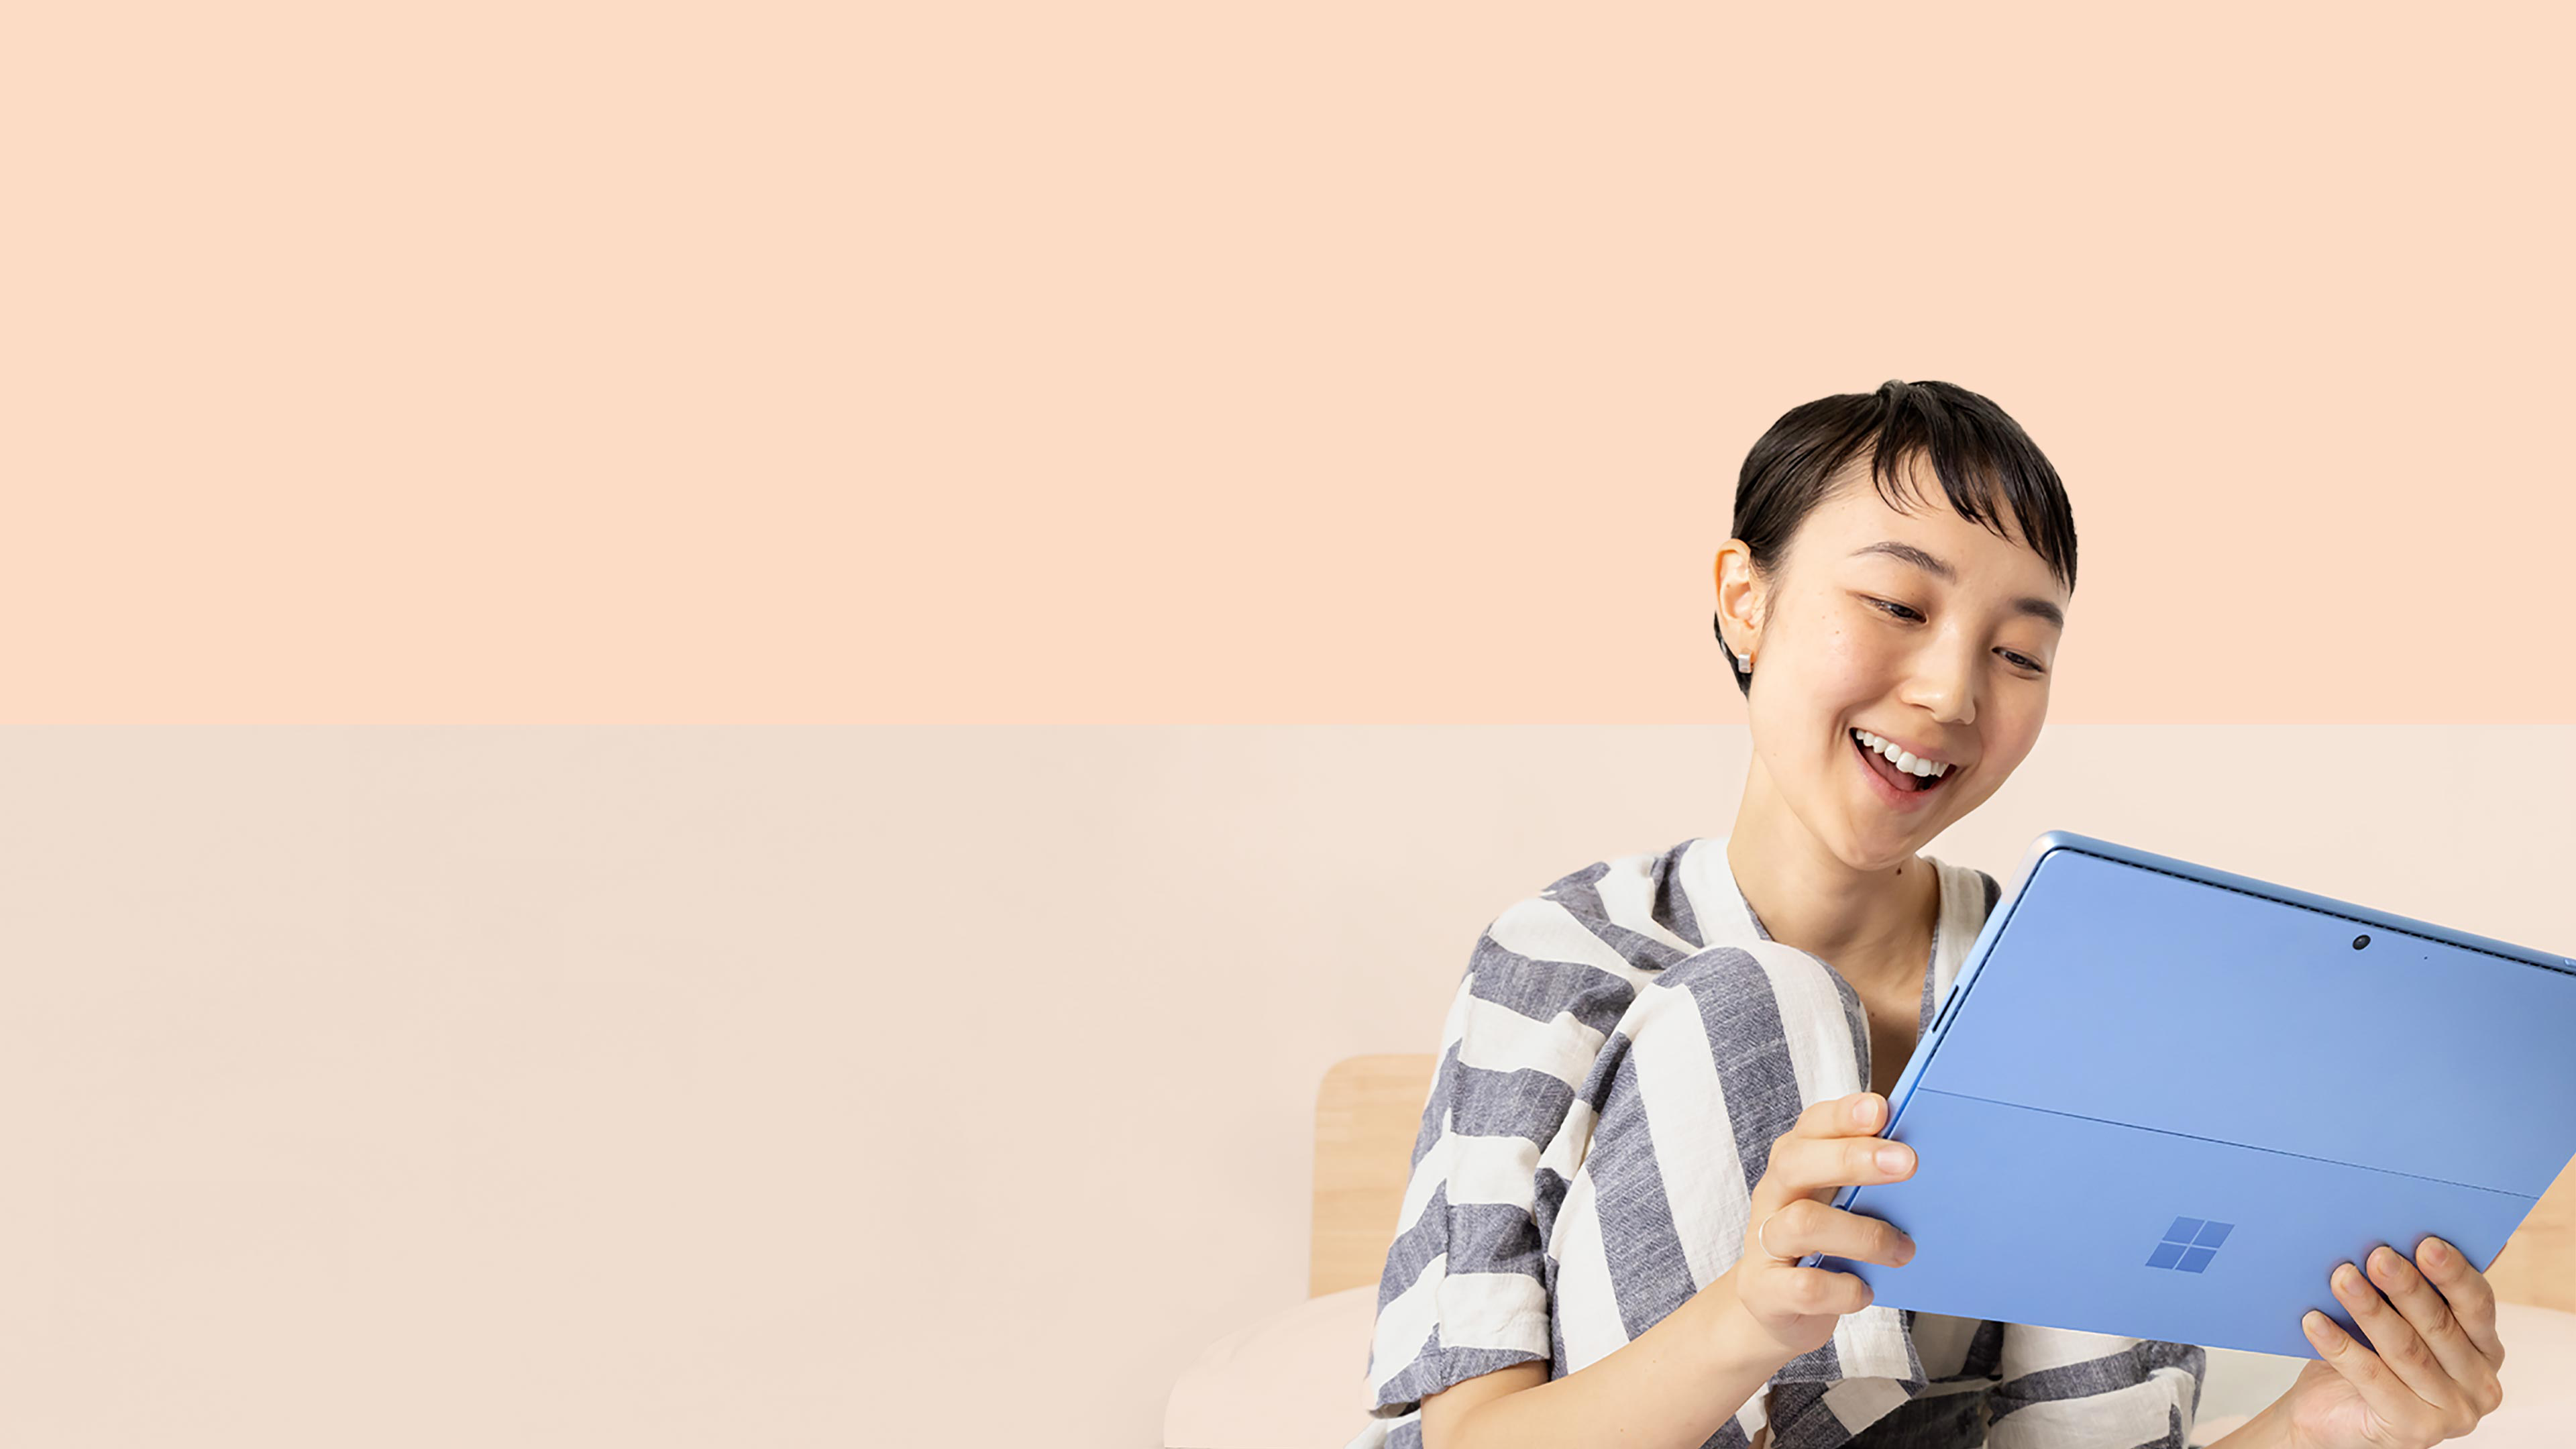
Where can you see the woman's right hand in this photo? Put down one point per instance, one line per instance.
(1834, 1144)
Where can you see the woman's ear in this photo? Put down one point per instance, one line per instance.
(1739, 600)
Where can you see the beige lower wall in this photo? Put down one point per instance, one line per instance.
(808, 1086)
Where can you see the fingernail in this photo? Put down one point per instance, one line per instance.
(1862, 1109)
(1894, 1158)
(2434, 1251)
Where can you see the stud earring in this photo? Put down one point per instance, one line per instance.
(1744, 664)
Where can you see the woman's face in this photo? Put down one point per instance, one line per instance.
(1856, 635)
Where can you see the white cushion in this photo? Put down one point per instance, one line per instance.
(1298, 1379)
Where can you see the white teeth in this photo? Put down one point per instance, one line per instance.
(1903, 759)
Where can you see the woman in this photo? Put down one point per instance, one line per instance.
(1653, 1082)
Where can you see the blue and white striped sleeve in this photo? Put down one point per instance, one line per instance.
(1465, 1287)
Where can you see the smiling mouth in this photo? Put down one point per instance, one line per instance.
(1881, 766)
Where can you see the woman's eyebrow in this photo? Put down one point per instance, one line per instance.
(1937, 568)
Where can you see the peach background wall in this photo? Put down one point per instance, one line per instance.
(1142, 363)
(715, 710)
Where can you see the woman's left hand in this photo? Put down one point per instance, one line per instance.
(2434, 1374)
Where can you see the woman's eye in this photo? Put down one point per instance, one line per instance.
(1900, 610)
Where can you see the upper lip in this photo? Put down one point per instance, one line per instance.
(1909, 749)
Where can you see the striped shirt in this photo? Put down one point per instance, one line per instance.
(1623, 1050)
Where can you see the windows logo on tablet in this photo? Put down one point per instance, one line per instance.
(2189, 1244)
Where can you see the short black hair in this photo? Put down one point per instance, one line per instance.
(1985, 462)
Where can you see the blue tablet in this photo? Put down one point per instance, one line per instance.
(2165, 1101)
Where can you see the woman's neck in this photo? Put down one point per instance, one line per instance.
(1875, 928)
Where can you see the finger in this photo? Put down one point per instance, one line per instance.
(1822, 1290)
(1820, 1166)
(2471, 1376)
(2425, 1387)
(2391, 1400)
(1808, 1226)
(1858, 1114)
(1805, 1165)
(2472, 1299)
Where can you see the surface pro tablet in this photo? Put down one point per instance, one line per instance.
(2164, 1101)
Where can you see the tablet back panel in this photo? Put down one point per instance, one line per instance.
(2164, 1101)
